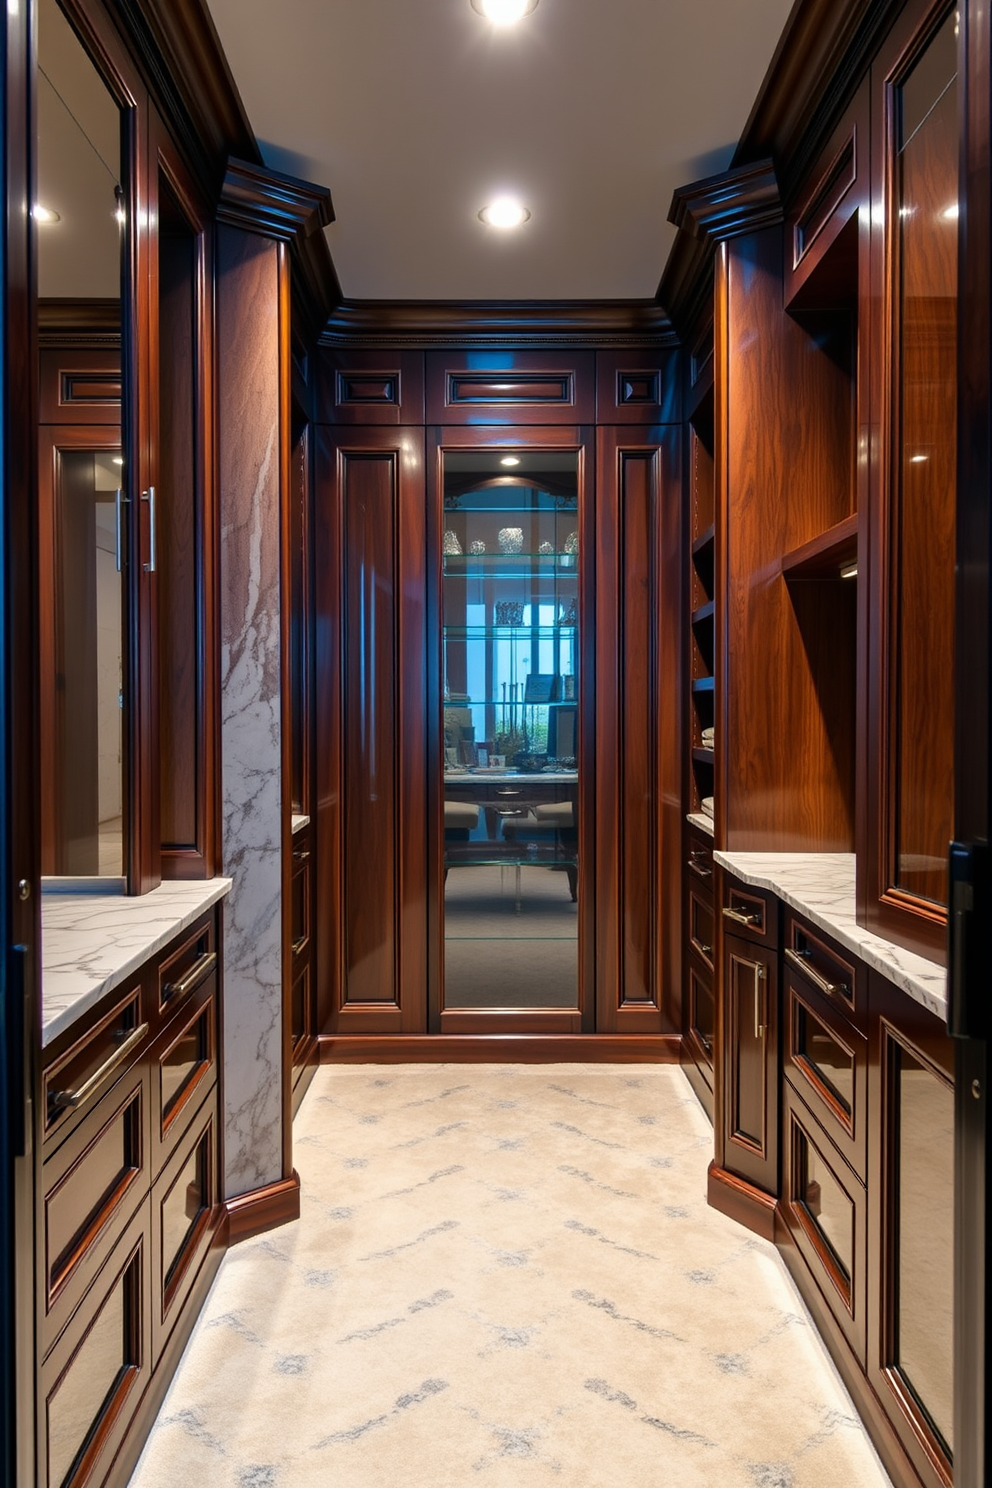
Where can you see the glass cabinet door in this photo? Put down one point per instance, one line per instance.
(510, 653)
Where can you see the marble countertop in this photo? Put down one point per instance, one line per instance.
(702, 821)
(91, 940)
(821, 887)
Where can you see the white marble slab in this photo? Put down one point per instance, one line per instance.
(702, 821)
(91, 941)
(821, 887)
(298, 823)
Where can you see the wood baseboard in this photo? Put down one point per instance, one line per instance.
(500, 1048)
(262, 1209)
(749, 1206)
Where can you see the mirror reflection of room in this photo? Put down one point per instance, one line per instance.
(510, 729)
(78, 214)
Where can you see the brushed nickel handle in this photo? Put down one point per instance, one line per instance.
(117, 521)
(152, 563)
(71, 1100)
(197, 973)
(298, 945)
(694, 865)
(759, 1021)
(829, 989)
(301, 857)
(742, 919)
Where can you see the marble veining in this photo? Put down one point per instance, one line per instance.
(700, 820)
(248, 355)
(821, 887)
(90, 942)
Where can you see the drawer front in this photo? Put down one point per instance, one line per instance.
(826, 1059)
(96, 1374)
(699, 861)
(750, 1062)
(825, 1207)
(184, 1219)
(91, 1187)
(183, 1067)
(701, 925)
(748, 912)
(299, 932)
(183, 968)
(702, 1010)
(837, 976)
(86, 1069)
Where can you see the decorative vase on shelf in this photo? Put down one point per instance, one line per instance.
(572, 543)
(509, 612)
(511, 539)
(450, 543)
(477, 546)
(546, 548)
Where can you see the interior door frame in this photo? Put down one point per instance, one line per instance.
(581, 440)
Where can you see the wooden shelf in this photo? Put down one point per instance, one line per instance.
(703, 756)
(702, 684)
(705, 612)
(824, 556)
(704, 540)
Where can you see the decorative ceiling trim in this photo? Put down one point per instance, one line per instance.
(739, 201)
(79, 323)
(271, 203)
(522, 323)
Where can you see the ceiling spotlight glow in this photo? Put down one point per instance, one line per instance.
(45, 214)
(504, 12)
(504, 212)
(509, 460)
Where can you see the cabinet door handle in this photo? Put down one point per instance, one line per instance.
(301, 857)
(829, 989)
(707, 950)
(149, 496)
(117, 519)
(508, 793)
(759, 1019)
(196, 974)
(703, 872)
(742, 919)
(71, 1100)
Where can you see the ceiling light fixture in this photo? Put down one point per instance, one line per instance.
(45, 214)
(509, 460)
(504, 12)
(504, 212)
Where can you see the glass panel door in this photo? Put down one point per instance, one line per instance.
(510, 617)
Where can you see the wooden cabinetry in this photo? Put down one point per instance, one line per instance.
(129, 1215)
(698, 967)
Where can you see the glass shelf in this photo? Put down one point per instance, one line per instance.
(558, 702)
(461, 631)
(510, 566)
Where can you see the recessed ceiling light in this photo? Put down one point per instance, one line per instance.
(45, 214)
(504, 212)
(504, 12)
(509, 460)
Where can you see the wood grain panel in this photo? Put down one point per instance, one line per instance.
(369, 387)
(371, 839)
(79, 386)
(638, 386)
(511, 387)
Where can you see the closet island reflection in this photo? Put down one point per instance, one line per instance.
(510, 655)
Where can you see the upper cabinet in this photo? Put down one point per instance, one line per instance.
(911, 662)
(125, 495)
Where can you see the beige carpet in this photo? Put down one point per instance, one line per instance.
(505, 1276)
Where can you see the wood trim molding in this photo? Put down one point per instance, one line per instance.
(741, 1201)
(90, 323)
(271, 203)
(518, 323)
(530, 1048)
(725, 206)
(687, 282)
(262, 1209)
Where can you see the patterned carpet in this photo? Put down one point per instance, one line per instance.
(508, 1276)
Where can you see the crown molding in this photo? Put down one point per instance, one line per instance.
(271, 203)
(519, 323)
(79, 323)
(738, 201)
(687, 282)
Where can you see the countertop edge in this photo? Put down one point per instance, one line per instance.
(214, 890)
(901, 967)
(701, 822)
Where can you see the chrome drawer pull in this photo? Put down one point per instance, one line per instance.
(742, 919)
(759, 1022)
(703, 872)
(71, 1100)
(197, 973)
(707, 950)
(829, 989)
(508, 793)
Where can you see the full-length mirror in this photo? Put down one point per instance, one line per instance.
(79, 212)
(510, 618)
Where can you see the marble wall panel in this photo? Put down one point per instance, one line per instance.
(248, 365)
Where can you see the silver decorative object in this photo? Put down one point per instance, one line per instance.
(450, 543)
(477, 546)
(509, 612)
(546, 547)
(511, 539)
(572, 543)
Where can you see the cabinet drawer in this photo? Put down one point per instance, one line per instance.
(826, 1059)
(299, 932)
(699, 862)
(749, 912)
(701, 928)
(184, 1218)
(189, 964)
(91, 1187)
(98, 1057)
(825, 1206)
(838, 977)
(701, 1021)
(183, 1067)
(96, 1374)
(751, 1062)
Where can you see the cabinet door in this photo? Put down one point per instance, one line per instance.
(750, 1055)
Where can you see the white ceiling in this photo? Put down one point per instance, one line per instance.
(415, 113)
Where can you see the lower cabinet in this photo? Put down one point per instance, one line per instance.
(129, 1216)
(698, 961)
(843, 1131)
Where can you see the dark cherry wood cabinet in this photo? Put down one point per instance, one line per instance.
(750, 1061)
